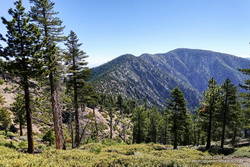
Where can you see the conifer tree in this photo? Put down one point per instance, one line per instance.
(237, 121)
(5, 119)
(109, 106)
(246, 86)
(139, 124)
(43, 14)
(210, 107)
(76, 73)
(120, 105)
(21, 53)
(188, 130)
(229, 105)
(18, 109)
(246, 99)
(153, 126)
(177, 107)
(164, 125)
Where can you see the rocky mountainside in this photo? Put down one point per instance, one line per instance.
(152, 76)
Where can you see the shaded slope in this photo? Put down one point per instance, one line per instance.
(153, 76)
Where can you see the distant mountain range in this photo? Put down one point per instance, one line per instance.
(152, 76)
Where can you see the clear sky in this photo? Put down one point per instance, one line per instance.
(110, 28)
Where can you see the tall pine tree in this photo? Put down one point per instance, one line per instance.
(43, 14)
(77, 73)
(21, 53)
(210, 107)
(139, 124)
(229, 105)
(177, 107)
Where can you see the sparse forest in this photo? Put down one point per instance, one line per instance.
(56, 112)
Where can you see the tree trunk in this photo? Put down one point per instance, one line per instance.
(28, 115)
(111, 125)
(175, 140)
(20, 128)
(72, 135)
(96, 126)
(139, 133)
(234, 136)
(165, 136)
(198, 139)
(223, 130)
(57, 115)
(77, 128)
(195, 137)
(175, 135)
(208, 146)
(224, 122)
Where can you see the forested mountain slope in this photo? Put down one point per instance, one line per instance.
(152, 76)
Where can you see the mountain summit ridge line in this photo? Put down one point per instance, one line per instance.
(152, 76)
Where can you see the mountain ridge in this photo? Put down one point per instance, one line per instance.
(152, 76)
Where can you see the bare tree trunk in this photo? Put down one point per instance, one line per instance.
(57, 115)
(28, 115)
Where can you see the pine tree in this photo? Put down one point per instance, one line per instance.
(199, 128)
(109, 103)
(246, 86)
(21, 53)
(76, 73)
(139, 124)
(229, 104)
(18, 109)
(188, 130)
(246, 100)
(92, 103)
(120, 106)
(164, 125)
(236, 122)
(177, 107)
(153, 126)
(1, 61)
(209, 107)
(43, 14)
(5, 119)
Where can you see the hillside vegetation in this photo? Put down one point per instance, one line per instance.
(105, 154)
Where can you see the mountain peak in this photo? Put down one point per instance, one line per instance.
(152, 76)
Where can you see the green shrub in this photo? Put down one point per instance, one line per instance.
(23, 145)
(13, 129)
(242, 152)
(1, 81)
(49, 137)
(110, 142)
(93, 147)
(10, 145)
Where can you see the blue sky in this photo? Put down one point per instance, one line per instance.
(109, 28)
